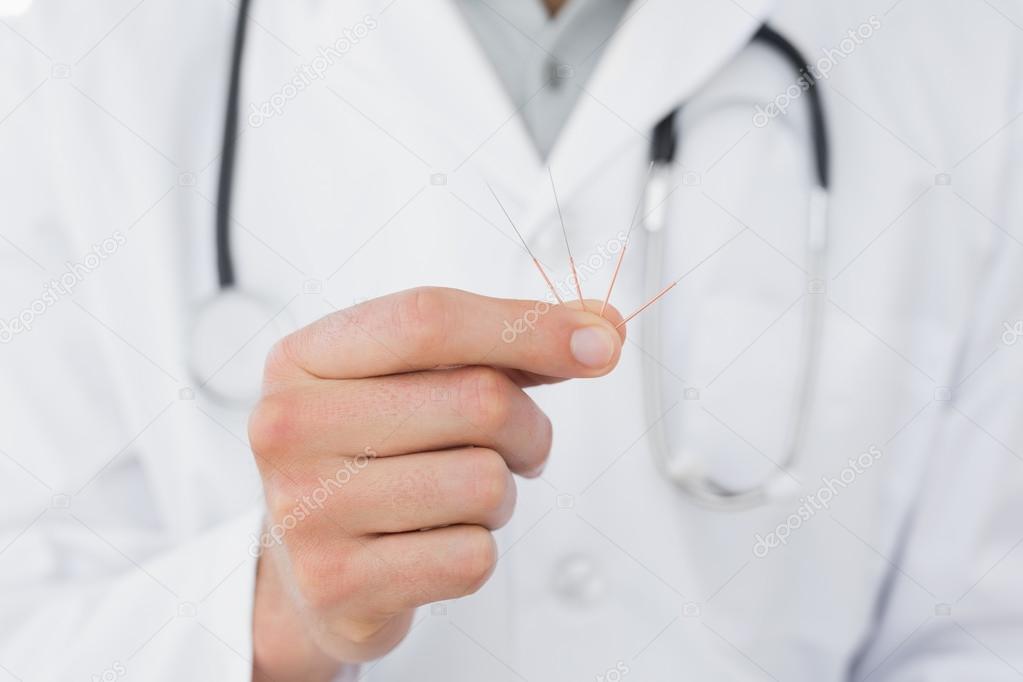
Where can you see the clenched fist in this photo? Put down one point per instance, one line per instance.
(386, 437)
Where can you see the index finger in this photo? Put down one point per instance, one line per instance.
(429, 327)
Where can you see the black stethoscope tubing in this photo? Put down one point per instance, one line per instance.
(665, 143)
(229, 154)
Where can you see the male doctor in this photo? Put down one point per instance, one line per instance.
(434, 471)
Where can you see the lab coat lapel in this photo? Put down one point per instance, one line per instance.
(434, 53)
(662, 52)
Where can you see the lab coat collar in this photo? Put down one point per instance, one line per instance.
(662, 52)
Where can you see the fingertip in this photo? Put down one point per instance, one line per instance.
(596, 342)
(615, 318)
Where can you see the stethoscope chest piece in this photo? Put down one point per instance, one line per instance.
(231, 335)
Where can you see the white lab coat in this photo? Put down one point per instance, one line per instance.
(129, 500)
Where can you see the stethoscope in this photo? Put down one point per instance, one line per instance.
(222, 313)
(685, 471)
(232, 329)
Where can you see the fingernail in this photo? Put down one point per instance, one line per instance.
(593, 346)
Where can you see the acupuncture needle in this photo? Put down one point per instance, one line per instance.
(536, 261)
(649, 303)
(625, 244)
(571, 261)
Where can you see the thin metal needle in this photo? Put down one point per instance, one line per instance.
(625, 244)
(536, 262)
(648, 303)
(571, 261)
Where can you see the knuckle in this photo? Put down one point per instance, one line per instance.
(486, 398)
(479, 558)
(347, 577)
(420, 317)
(280, 360)
(543, 439)
(490, 481)
(308, 578)
(361, 633)
(326, 582)
(280, 498)
(272, 424)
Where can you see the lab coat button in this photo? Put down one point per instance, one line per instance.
(577, 580)
(557, 73)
